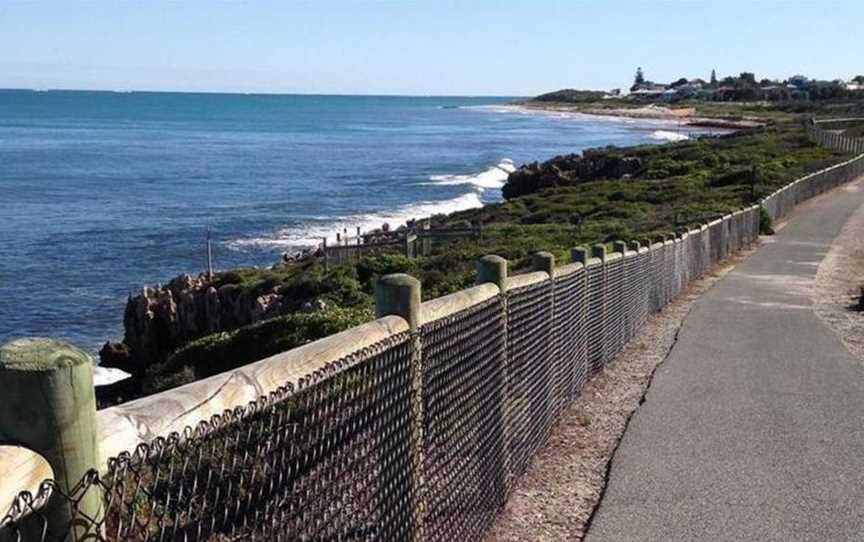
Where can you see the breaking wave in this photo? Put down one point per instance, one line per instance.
(494, 177)
(310, 234)
(666, 135)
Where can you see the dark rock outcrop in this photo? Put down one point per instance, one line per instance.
(569, 170)
(162, 318)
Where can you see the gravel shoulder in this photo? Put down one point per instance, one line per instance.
(839, 279)
(557, 496)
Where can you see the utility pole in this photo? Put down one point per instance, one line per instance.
(209, 256)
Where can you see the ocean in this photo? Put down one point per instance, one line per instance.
(104, 192)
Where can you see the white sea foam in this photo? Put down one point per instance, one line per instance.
(636, 122)
(311, 235)
(102, 376)
(494, 177)
(666, 135)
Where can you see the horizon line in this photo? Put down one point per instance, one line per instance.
(244, 93)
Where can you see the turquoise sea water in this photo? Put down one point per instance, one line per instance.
(104, 192)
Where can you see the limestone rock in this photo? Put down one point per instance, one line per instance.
(569, 170)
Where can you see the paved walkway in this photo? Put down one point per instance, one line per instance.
(753, 428)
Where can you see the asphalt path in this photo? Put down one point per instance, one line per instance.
(753, 428)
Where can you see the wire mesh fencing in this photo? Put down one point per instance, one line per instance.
(330, 460)
(465, 408)
(357, 452)
(530, 365)
(571, 308)
(783, 201)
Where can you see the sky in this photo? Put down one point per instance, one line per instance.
(418, 47)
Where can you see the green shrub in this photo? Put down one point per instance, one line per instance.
(371, 267)
(766, 226)
(224, 351)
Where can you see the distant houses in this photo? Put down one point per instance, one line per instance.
(741, 88)
(744, 87)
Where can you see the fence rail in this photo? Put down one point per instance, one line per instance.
(818, 132)
(413, 427)
(413, 242)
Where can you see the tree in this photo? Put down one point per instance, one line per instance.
(640, 77)
(859, 79)
(747, 78)
(713, 78)
(681, 82)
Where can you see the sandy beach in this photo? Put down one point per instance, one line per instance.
(685, 116)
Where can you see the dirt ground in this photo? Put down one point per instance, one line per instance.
(839, 281)
(557, 496)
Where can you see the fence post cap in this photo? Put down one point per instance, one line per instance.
(41, 354)
(543, 261)
(579, 254)
(492, 269)
(493, 259)
(398, 294)
(398, 279)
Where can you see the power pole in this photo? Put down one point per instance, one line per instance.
(209, 256)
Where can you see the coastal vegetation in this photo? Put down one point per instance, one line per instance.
(643, 193)
(570, 95)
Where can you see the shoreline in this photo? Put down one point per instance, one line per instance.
(249, 314)
(660, 114)
(395, 218)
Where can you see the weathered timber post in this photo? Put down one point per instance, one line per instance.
(579, 254)
(426, 239)
(324, 250)
(209, 256)
(410, 242)
(635, 245)
(493, 269)
(399, 294)
(543, 261)
(599, 251)
(619, 246)
(49, 406)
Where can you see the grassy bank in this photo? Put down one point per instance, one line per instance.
(677, 186)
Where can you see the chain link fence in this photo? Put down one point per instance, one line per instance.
(419, 437)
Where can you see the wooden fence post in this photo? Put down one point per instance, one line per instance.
(579, 254)
(399, 294)
(543, 261)
(324, 250)
(599, 251)
(49, 406)
(493, 269)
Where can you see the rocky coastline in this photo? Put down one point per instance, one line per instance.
(195, 326)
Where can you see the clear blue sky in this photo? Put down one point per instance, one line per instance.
(477, 47)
